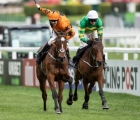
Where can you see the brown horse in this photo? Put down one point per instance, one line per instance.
(54, 67)
(90, 70)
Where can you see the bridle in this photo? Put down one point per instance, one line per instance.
(97, 62)
(62, 50)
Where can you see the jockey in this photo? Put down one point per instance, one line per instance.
(89, 25)
(59, 22)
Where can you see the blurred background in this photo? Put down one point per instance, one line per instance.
(120, 19)
(23, 25)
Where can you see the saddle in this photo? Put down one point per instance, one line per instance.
(44, 53)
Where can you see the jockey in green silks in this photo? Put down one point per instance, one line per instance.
(90, 25)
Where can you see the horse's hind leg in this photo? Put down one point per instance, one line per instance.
(86, 97)
(70, 99)
(101, 93)
(77, 77)
(44, 94)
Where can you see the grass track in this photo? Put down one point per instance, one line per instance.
(25, 103)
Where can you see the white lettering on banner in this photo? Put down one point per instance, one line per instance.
(28, 74)
(1, 67)
(14, 68)
(122, 77)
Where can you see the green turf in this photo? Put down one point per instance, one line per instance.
(25, 103)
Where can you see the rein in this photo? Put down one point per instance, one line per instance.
(98, 63)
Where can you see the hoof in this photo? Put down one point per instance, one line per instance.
(69, 102)
(105, 106)
(57, 111)
(85, 106)
(75, 98)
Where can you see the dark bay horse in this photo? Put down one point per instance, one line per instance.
(54, 67)
(90, 70)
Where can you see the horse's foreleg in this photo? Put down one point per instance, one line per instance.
(54, 93)
(86, 97)
(60, 96)
(44, 94)
(101, 93)
(70, 99)
(90, 87)
(75, 97)
(55, 98)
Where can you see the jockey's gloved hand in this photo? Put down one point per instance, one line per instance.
(97, 39)
(37, 5)
(84, 40)
(51, 41)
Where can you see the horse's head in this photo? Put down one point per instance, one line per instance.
(97, 51)
(61, 45)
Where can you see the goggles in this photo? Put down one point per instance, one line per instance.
(53, 20)
(92, 20)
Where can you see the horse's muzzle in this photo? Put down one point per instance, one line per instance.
(61, 59)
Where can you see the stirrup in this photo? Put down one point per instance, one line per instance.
(36, 55)
(72, 64)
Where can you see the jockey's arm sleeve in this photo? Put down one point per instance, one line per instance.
(66, 26)
(44, 10)
(100, 31)
(81, 32)
(101, 37)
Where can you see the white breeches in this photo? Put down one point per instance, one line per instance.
(53, 36)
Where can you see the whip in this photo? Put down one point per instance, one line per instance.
(35, 2)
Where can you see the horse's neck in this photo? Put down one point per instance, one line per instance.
(90, 56)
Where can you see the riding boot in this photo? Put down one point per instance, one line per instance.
(104, 63)
(40, 53)
(69, 58)
(76, 57)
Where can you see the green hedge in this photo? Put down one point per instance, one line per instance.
(104, 8)
(66, 9)
(138, 7)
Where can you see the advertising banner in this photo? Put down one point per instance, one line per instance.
(2, 71)
(13, 72)
(29, 74)
(122, 77)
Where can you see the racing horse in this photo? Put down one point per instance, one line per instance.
(90, 70)
(54, 68)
